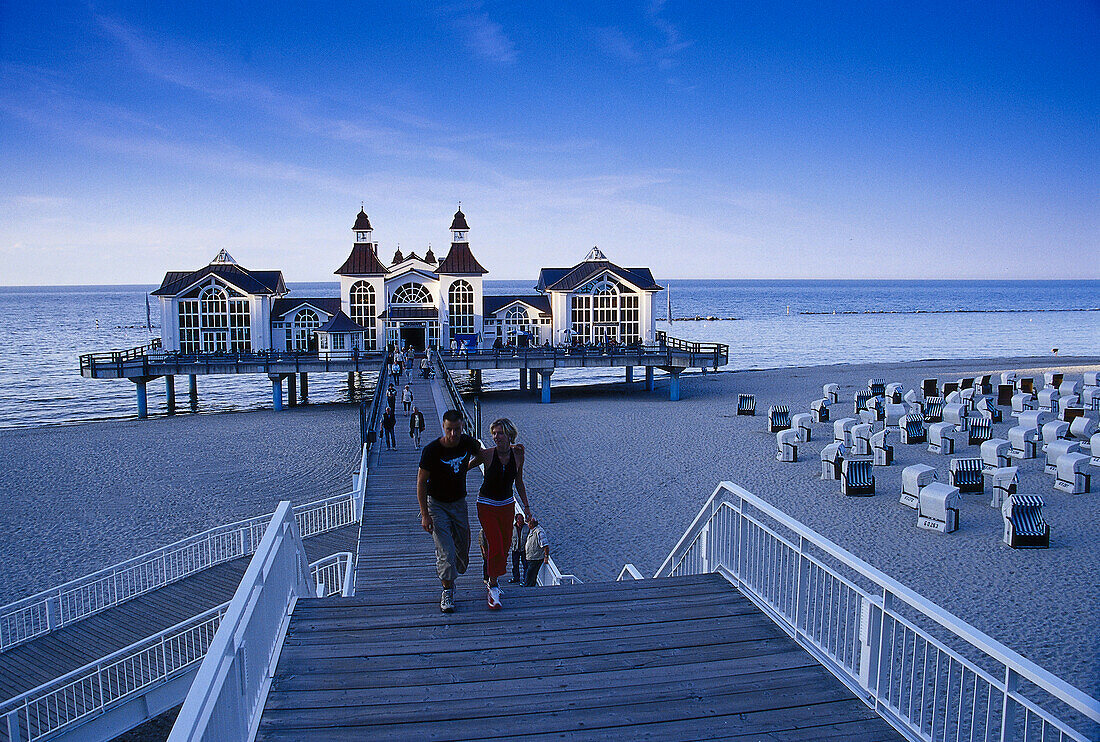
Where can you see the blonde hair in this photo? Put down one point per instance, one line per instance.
(507, 426)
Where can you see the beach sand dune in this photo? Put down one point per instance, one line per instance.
(617, 476)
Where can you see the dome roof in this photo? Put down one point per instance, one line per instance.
(362, 223)
(459, 222)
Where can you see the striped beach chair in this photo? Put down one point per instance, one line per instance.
(912, 429)
(981, 430)
(861, 399)
(779, 418)
(857, 477)
(984, 406)
(877, 387)
(933, 409)
(966, 474)
(746, 404)
(1024, 524)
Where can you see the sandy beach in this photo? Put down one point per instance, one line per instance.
(617, 475)
(80, 498)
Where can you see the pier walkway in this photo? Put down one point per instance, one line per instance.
(675, 658)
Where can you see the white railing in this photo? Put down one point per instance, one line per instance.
(227, 696)
(91, 690)
(49, 610)
(930, 674)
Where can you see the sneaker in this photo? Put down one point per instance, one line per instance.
(494, 599)
(447, 601)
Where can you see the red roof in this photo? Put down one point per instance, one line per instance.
(460, 260)
(460, 222)
(362, 223)
(361, 262)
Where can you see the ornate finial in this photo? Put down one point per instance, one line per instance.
(362, 205)
(460, 206)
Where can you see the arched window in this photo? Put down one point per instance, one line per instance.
(364, 311)
(302, 329)
(411, 293)
(214, 319)
(460, 303)
(604, 311)
(515, 322)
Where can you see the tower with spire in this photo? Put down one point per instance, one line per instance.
(461, 292)
(363, 281)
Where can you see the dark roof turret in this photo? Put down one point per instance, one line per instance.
(362, 223)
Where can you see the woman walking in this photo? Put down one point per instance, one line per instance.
(496, 506)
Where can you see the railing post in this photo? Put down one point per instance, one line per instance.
(15, 734)
(53, 612)
(870, 645)
(1009, 706)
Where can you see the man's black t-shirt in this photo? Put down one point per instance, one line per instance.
(446, 479)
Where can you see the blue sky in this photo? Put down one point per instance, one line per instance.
(726, 140)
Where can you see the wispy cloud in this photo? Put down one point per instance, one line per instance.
(483, 36)
(616, 44)
(674, 43)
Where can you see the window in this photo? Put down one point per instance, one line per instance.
(411, 293)
(580, 321)
(461, 308)
(515, 323)
(214, 319)
(301, 330)
(338, 342)
(364, 311)
(629, 319)
(605, 311)
(240, 325)
(189, 326)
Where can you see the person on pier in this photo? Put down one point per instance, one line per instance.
(389, 422)
(406, 398)
(416, 425)
(441, 492)
(496, 506)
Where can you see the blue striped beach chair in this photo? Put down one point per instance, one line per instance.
(746, 404)
(966, 474)
(779, 418)
(933, 409)
(981, 430)
(1024, 524)
(857, 477)
(912, 429)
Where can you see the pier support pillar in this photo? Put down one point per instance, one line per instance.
(276, 391)
(523, 379)
(142, 396)
(351, 381)
(170, 393)
(305, 388)
(649, 378)
(533, 379)
(629, 375)
(546, 373)
(292, 390)
(193, 390)
(674, 384)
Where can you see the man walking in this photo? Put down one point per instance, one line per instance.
(441, 492)
(416, 425)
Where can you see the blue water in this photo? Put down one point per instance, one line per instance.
(765, 323)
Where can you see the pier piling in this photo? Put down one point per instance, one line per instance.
(523, 379)
(649, 378)
(292, 390)
(674, 384)
(629, 375)
(305, 388)
(193, 390)
(142, 396)
(546, 374)
(170, 392)
(277, 391)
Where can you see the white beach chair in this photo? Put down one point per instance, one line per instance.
(894, 414)
(861, 440)
(1035, 418)
(802, 422)
(1048, 399)
(831, 457)
(912, 479)
(956, 413)
(894, 392)
(1053, 431)
(842, 430)
(1057, 450)
(882, 451)
(831, 393)
(1025, 442)
(1004, 482)
(819, 408)
(1094, 449)
(1022, 402)
(995, 453)
(1073, 474)
(786, 444)
(941, 438)
(939, 507)
(1065, 402)
(1083, 428)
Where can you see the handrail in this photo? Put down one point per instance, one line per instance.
(374, 416)
(77, 599)
(89, 691)
(805, 582)
(152, 359)
(227, 695)
(452, 390)
(715, 354)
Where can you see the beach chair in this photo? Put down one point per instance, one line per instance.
(1048, 399)
(1070, 388)
(819, 408)
(939, 508)
(1026, 385)
(1094, 449)
(968, 397)
(863, 396)
(1091, 379)
(894, 413)
(882, 451)
(868, 416)
(877, 387)
(933, 409)
(995, 453)
(831, 457)
(779, 418)
(984, 406)
(1024, 524)
(1065, 404)
(857, 477)
(912, 479)
(1022, 402)
(967, 383)
(1025, 442)
(912, 429)
(981, 430)
(1053, 378)
(1004, 482)
(842, 430)
(941, 438)
(1073, 474)
(983, 384)
(930, 388)
(949, 387)
(914, 399)
(746, 404)
(954, 397)
(1083, 428)
(802, 423)
(956, 414)
(1053, 431)
(966, 474)
(786, 444)
(1035, 418)
(831, 392)
(894, 393)
(1058, 449)
(861, 440)
(1008, 377)
(1004, 394)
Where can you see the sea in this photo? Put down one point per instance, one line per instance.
(766, 324)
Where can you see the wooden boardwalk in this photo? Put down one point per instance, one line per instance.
(669, 659)
(50, 656)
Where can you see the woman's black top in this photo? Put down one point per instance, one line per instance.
(496, 489)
